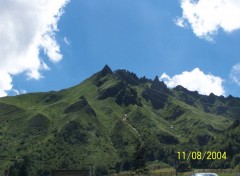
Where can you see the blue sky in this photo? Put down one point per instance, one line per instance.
(141, 36)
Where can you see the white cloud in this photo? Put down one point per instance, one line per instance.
(206, 17)
(235, 74)
(5, 83)
(196, 80)
(66, 40)
(26, 28)
(180, 22)
(18, 92)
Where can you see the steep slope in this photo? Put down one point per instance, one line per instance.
(106, 120)
(219, 105)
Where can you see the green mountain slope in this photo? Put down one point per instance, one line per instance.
(107, 119)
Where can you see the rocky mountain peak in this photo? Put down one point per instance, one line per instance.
(106, 70)
(159, 85)
(128, 77)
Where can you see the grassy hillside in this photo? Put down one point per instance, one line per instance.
(112, 120)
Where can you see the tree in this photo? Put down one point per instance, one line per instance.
(20, 167)
(183, 166)
(139, 163)
(101, 170)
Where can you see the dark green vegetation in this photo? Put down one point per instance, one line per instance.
(115, 121)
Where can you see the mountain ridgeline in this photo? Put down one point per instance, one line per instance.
(112, 121)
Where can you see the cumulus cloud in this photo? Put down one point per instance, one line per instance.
(206, 17)
(235, 74)
(26, 28)
(5, 83)
(196, 80)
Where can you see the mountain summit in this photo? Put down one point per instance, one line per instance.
(105, 122)
(106, 70)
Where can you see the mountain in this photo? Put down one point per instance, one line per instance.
(111, 121)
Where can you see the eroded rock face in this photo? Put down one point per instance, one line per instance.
(106, 70)
(123, 89)
(124, 95)
(100, 78)
(111, 91)
(79, 105)
(157, 94)
(128, 77)
(128, 96)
